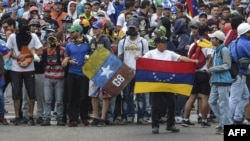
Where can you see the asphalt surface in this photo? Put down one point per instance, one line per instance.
(130, 132)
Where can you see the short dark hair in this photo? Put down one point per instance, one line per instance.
(144, 4)
(10, 22)
(129, 4)
(87, 3)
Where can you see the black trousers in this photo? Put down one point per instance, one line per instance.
(78, 88)
(157, 104)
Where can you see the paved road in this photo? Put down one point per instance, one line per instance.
(108, 133)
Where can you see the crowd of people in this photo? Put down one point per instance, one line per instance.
(44, 45)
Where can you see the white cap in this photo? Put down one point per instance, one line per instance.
(243, 28)
(218, 34)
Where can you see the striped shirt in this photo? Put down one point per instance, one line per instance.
(53, 70)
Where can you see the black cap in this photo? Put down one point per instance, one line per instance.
(161, 39)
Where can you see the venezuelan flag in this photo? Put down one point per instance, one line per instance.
(164, 76)
(192, 7)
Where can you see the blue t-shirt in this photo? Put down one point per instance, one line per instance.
(77, 52)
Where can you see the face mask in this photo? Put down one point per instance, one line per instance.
(132, 32)
(52, 44)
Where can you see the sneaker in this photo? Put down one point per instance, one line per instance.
(45, 122)
(85, 122)
(16, 121)
(4, 121)
(218, 126)
(39, 120)
(205, 124)
(173, 129)
(31, 121)
(60, 123)
(178, 120)
(118, 121)
(130, 120)
(199, 119)
(124, 122)
(220, 131)
(24, 120)
(109, 122)
(187, 123)
(155, 130)
(73, 124)
(95, 122)
(101, 123)
(142, 122)
(235, 122)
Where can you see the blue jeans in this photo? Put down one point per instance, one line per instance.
(1, 103)
(180, 103)
(141, 104)
(128, 106)
(53, 86)
(238, 98)
(111, 108)
(219, 103)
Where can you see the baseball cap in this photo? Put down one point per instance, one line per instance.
(132, 23)
(57, 1)
(161, 30)
(97, 24)
(75, 27)
(51, 35)
(195, 25)
(46, 8)
(217, 34)
(167, 6)
(100, 13)
(203, 14)
(161, 39)
(96, 2)
(84, 22)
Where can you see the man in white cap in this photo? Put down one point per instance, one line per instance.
(221, 80)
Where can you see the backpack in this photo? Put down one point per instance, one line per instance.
(196, 53)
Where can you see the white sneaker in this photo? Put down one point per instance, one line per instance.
(178, 120)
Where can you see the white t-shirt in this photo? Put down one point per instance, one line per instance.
(120, 20)
(11, 44)
(131, 49)
(166, 55)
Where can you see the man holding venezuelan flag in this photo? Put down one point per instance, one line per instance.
(162, 56)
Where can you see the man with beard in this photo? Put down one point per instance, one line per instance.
(77, 83)
(23, 46)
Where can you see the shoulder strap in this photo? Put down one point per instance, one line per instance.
(58, 55)
(142, 47)
(236, 50)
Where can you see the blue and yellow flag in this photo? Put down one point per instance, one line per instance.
(164, 76)
(107, 71)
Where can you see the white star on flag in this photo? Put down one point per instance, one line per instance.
(106, 71)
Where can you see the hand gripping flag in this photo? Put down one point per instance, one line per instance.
(107, 71)
(164, 76)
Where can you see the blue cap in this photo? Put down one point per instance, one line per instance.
(96, 2)
(97, 24)
(167, 7)
(57, 1)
